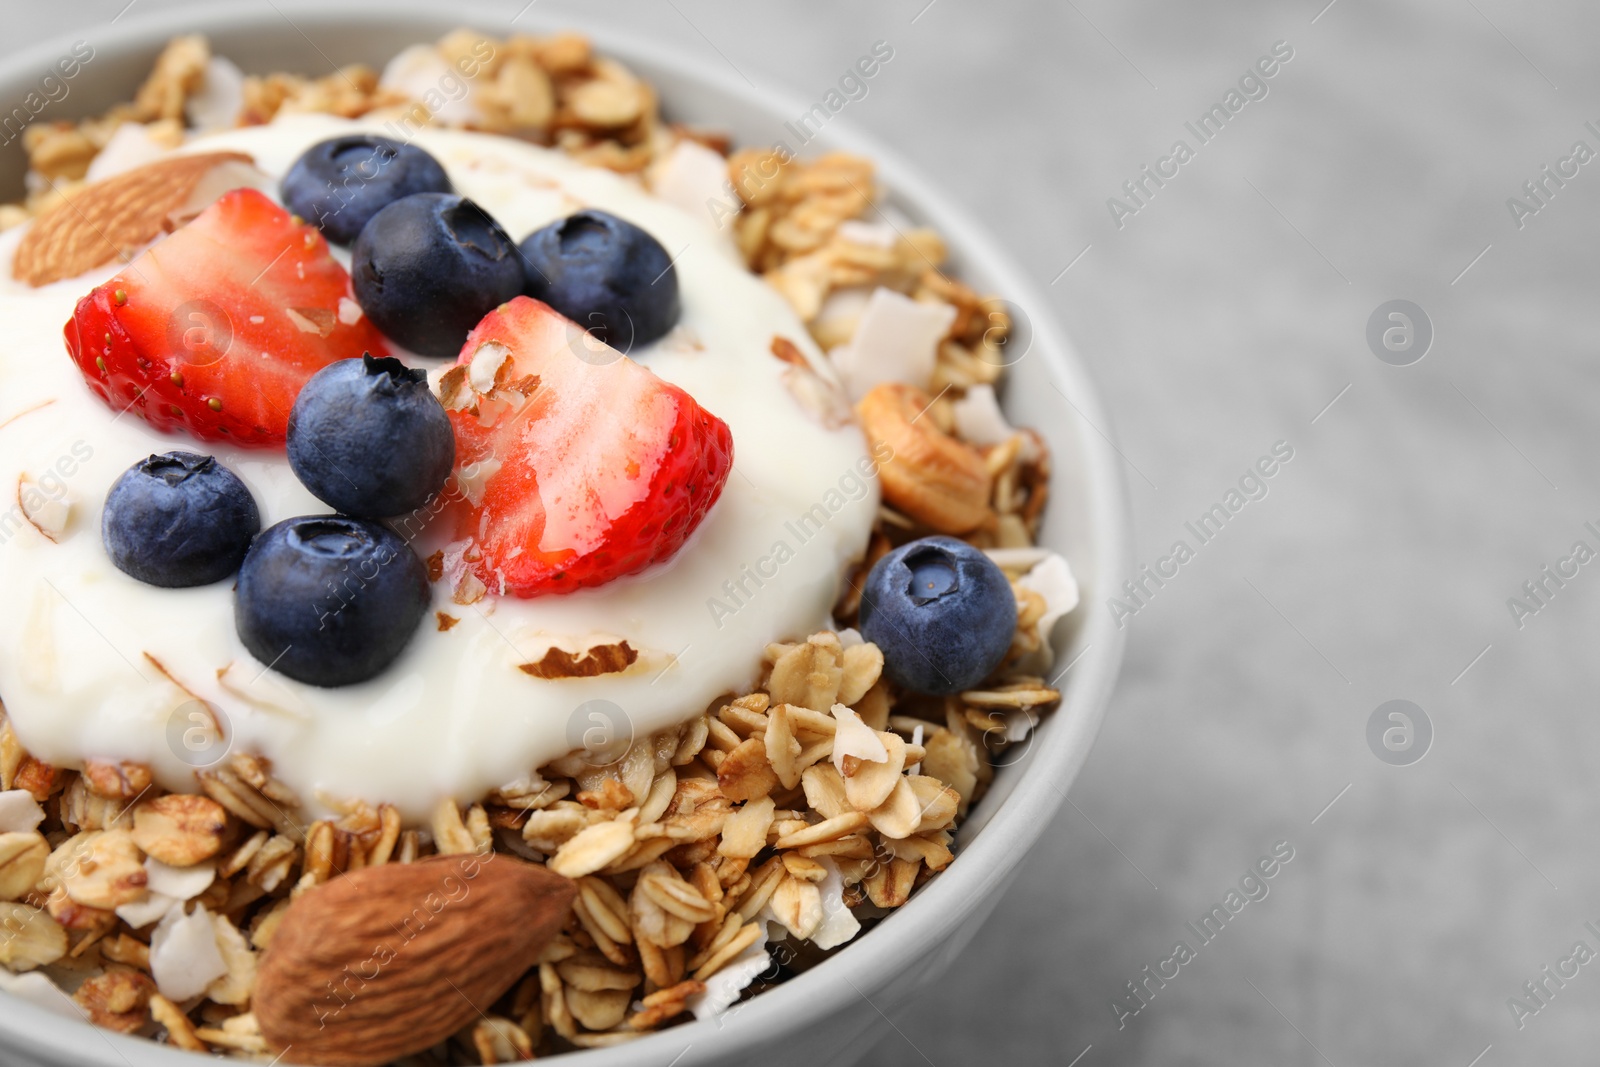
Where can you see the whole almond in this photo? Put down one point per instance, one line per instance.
(388, 961)
(929, 475)
(111, 218)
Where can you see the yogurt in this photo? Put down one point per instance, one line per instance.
(94, 664)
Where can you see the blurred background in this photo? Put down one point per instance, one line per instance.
(1442, 849)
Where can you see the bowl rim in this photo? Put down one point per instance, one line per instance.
(985, 863)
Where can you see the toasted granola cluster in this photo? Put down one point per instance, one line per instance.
(800, 229)
(817, 802)
(550, 90)
(682, 847)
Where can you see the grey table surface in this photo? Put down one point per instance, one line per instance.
(1227, 314)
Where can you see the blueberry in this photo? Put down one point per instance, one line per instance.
(605, 274)
(339, 184)
(328, 600)
(428, 267)
(369, 438)
(178, 520)
(941, 612)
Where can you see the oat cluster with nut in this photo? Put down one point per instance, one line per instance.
(157, 908)
(550, 90)
(711, 860)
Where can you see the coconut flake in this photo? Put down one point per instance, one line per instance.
(39, 991)
(131, 146)
(896, 340)
(692, 177)
(1052, 579)
(179, 883)
(225, 177)
(979, 420)
(236, 985)
(217, 104)
(48, 513)
(842, 311)
(184, 957)
(855, 738)
(723, 988)
(349, 311)
(222, 178)
(839, 924)
(19, 812)
(142, 913)
(1019, 724)
(421, 71)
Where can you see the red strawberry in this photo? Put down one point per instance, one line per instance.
(215, 329)
(590, 467)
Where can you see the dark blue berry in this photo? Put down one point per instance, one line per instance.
(941, 612)
(369, 438)
(328, 600)
(339, 184)
(428, 267)
(178, 520)
(605, 274)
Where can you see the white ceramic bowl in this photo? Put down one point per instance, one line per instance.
(833, 1013)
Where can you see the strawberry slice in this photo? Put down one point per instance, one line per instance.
(577, 465)
(214, 329)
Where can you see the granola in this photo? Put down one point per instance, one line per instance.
(776, 823)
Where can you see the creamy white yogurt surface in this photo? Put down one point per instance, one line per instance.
(94, 664)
